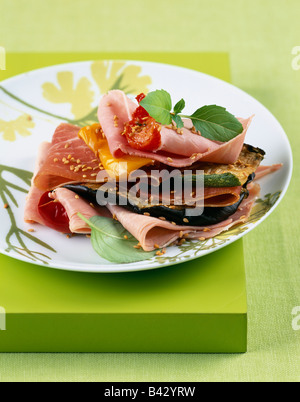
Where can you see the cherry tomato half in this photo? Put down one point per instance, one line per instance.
(54, 214)
(143, 132)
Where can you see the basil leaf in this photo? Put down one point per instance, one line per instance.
(113, 242)
(178, 121)
(159, 105)
(216, 124)
(178, 108)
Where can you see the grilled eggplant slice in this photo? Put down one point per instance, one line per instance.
(217, 175)
(177, 214)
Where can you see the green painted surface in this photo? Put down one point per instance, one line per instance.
(259, 36)
(199, 306)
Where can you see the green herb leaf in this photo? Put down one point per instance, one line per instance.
(113, 242)
(178, 121)
(216, 124)
(178, 108)
(159, 105)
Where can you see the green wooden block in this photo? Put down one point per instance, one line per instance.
(198, 306)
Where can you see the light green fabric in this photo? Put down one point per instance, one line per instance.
(260, 36)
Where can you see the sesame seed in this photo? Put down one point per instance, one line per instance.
(66, 162)
(162, 218)
(92, 205)
(181, 234)
(243, 217)
(77, 197)
(84, 176)
(146, 214)
(88, 236)
(206, 230)
(68, 237)
(31, 230)
(202, 238)
(95, 160)
(185, 220)
(55, 160)
(182, 241)
(126, 237)
(6, 206)
(94, 174)
(156, 246)
(64, 159)
(174, 223)
(67, 145)
(69, 157)
(169, 159)
(78, 161)
(29, 118)
(72, 167)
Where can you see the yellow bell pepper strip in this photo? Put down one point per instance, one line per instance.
(119, 168)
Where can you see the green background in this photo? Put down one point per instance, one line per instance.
(259, 36)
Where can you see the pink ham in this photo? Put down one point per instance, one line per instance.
(175, 150)
(73, 206)
(54, 172)
(151, 231)
(31, 213)
(263, 171)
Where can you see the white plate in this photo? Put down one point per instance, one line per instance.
(45, 95)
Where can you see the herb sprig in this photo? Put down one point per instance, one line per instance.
(113, 242)
(214, 122)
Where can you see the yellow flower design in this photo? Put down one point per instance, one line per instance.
(116, 75)
(21, 125)
(80, 96)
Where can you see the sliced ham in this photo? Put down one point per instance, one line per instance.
(31, 213)
(152, 232)
(175, 150)
(74, 205)
(68, 159)
(263, 171)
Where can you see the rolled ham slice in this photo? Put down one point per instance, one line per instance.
(175, 150)
(68, 159)
(152, 232)
(74, 205)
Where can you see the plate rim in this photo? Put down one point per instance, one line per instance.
(136, 267)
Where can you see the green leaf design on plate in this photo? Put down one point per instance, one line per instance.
(107, 76)
(16, 237)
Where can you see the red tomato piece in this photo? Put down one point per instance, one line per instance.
(143, 132)
(54, 214)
